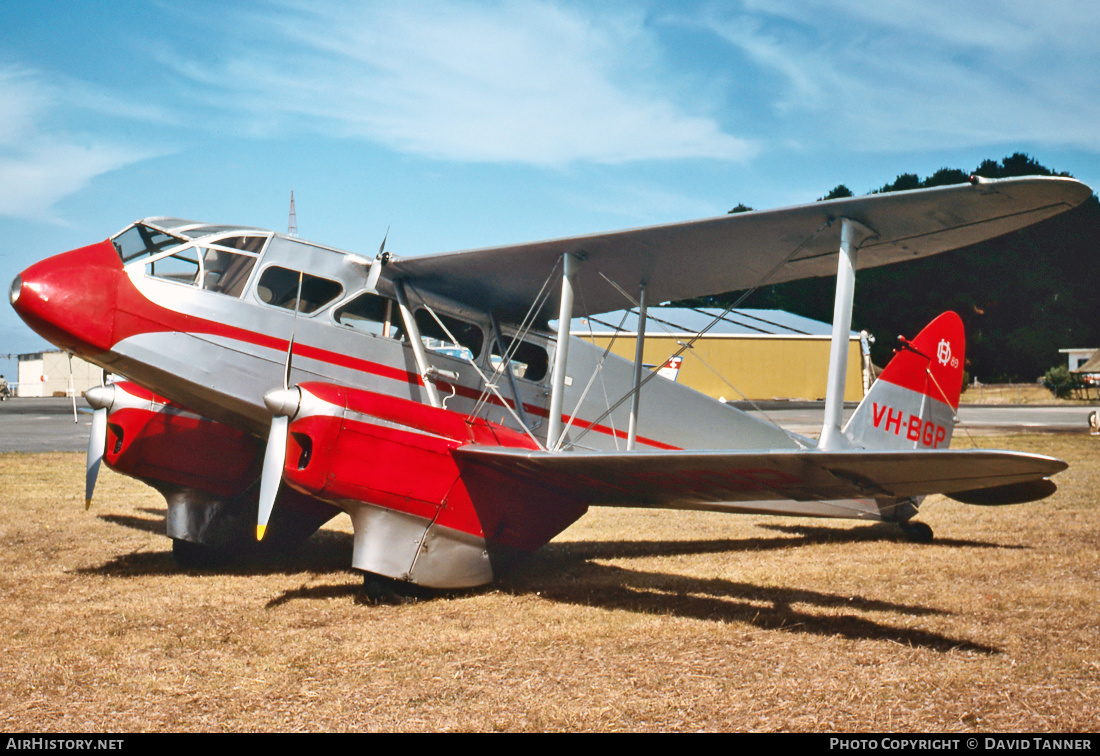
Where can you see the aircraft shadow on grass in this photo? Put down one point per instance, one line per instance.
(764, 607)
(878, 532)
(327, 551)
(587, 583)
(567, 573)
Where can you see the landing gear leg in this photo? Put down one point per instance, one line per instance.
(917, 532)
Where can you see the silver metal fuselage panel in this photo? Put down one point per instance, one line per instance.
(224, 372)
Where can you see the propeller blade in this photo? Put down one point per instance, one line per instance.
(293, 330)
(382, 246)
(274, 458)
(380, 261)
(100, 399)
(374, 274)
(283, 404)
(97, 441)
(289, 359)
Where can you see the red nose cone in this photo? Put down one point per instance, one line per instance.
(70, 299)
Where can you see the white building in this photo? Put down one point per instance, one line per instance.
(47, 374)
(1077, 357)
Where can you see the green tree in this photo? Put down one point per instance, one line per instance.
(902, 183)
(839, 191)
(1060, 381)
(1021, 297)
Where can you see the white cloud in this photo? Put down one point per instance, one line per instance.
(22, 100)
(34, 179)
(638, 203)
(526, 81)
(925, 74)
(39, 167)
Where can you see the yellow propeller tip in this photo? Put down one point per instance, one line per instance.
(87, 504)
(260, 532)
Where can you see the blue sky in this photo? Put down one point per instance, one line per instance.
(464, 124)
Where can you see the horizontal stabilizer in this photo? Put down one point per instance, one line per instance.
(695, 479)
(1013, 493)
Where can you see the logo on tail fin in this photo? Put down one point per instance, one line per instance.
(943, 354)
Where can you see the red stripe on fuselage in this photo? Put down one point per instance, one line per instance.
(136, 315)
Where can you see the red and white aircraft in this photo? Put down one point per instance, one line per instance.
(431, 400)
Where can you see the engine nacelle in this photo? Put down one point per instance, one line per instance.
(207, 471)
(420, 514)
(152, 439)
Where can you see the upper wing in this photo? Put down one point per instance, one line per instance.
(695, 479)
(715, 255)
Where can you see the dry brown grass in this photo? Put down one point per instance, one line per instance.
(631, 620)
(1016, 393)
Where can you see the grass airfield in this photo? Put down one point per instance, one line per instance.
(632, 620)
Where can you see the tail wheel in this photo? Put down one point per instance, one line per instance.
(917, 532)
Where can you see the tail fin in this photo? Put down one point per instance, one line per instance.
(671, 368)
(912, 405)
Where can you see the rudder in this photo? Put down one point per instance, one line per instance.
(912, 405)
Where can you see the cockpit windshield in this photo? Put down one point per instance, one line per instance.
(140, 240)
(219, 262)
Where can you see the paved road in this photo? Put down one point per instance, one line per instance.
(40, 425)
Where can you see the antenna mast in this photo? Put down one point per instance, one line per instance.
(292, 224)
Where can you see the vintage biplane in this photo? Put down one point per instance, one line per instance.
(271, 382)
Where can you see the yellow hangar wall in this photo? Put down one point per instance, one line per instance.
(760, 367)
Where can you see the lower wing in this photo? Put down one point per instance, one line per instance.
(696, 479)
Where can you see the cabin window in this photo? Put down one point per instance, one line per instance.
(252, 244)
(226, 272)
(469, 337)
(139, 241)
(529, 361)
(216, 270)
(182, 266)
(370, 313)
(279, 287)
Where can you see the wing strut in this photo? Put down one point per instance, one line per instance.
(414, 341)
(852, 235)
(639, 348)
(570, 264)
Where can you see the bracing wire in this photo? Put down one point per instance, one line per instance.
(524, 327)
(485, 380)
(748, 292)
(598, 370)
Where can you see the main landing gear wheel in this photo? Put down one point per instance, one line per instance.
(197, 556)
(917, 532)
(379, 589)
